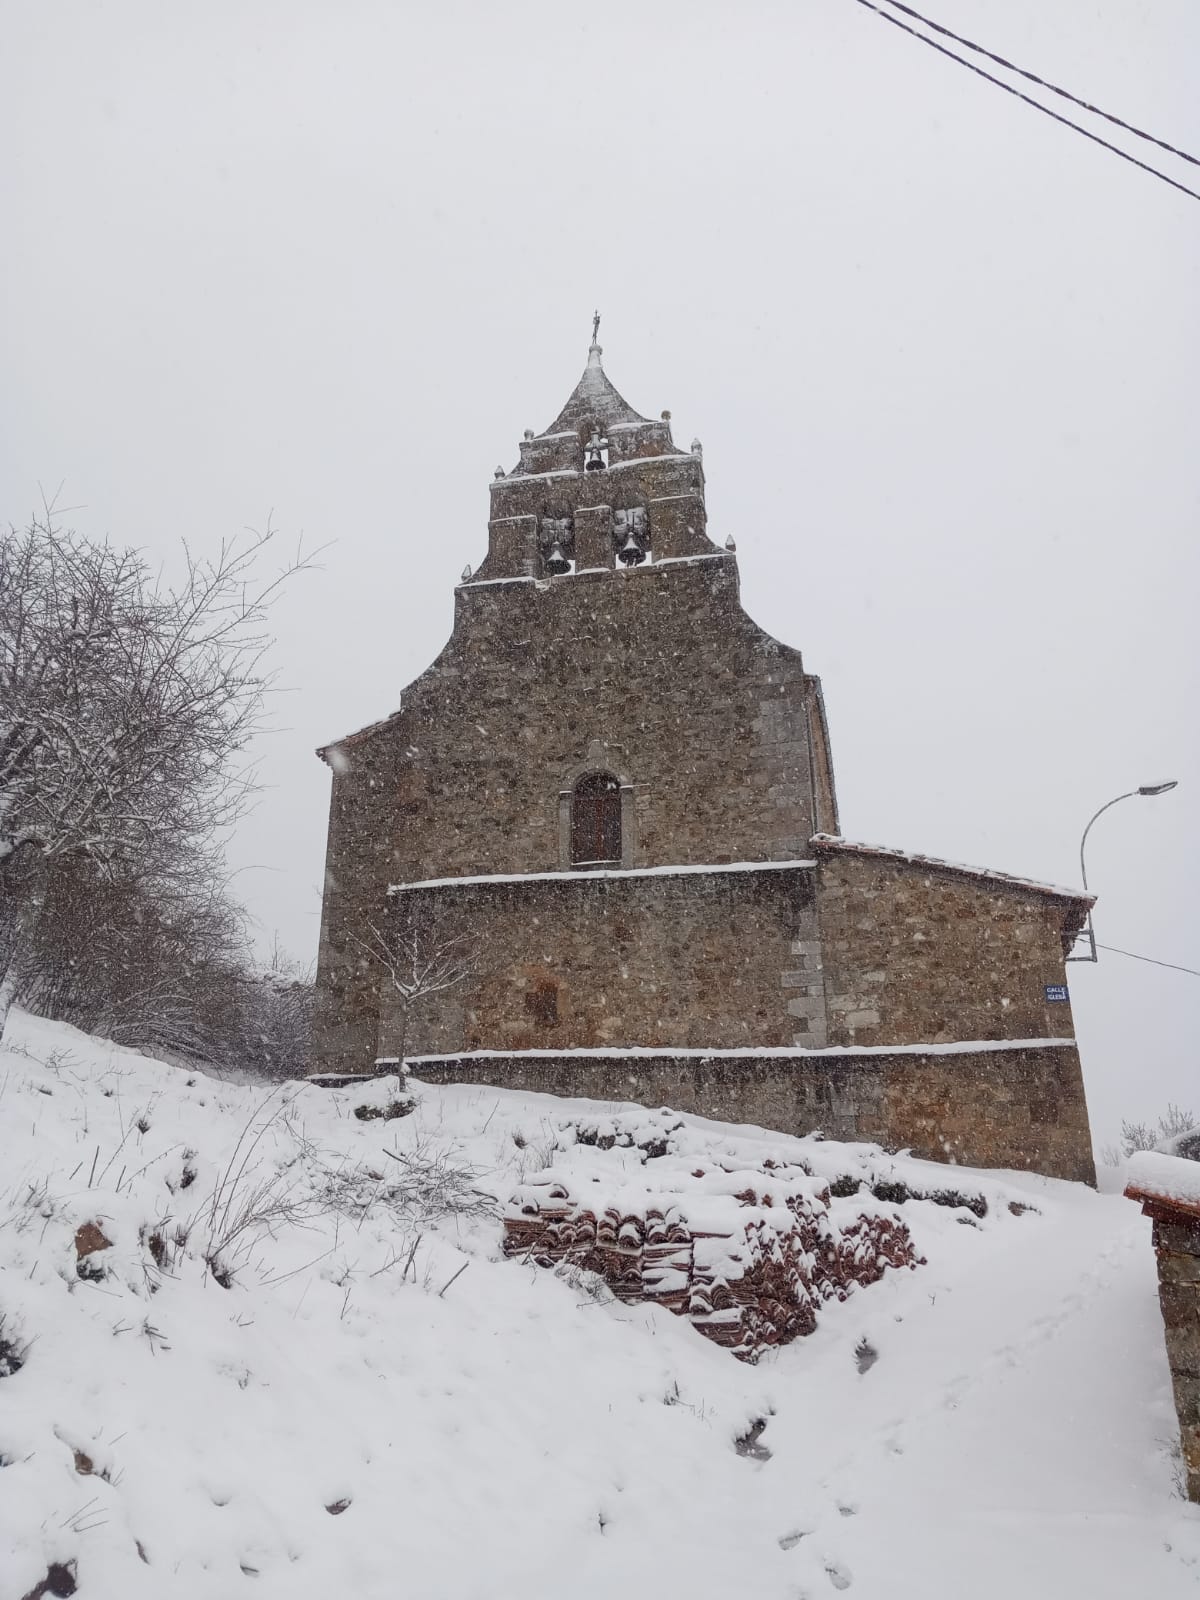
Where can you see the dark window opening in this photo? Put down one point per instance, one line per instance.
(596, 821)
(542, 1003)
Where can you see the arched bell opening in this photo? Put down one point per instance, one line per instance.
(595, 451)
(631, 536)
(556, 542)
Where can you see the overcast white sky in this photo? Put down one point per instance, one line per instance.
(330, 259)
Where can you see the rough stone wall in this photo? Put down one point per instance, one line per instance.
(723, 959)
(655, 673)
(916, 955)
(358, 859)
(1020, 1107)
(1177, 1246)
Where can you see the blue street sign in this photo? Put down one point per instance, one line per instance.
(1057, 991)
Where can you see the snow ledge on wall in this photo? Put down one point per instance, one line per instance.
(748, 1052)
(582, 874)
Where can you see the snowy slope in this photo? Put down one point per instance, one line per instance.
(517, 1434)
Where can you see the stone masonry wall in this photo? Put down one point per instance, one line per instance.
(1177, 1246)
(1017, 1107)
(580, 959)
(656, 674)
(912, 954)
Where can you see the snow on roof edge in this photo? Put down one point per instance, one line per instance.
(576, 874)
(358, 734)
(832, 842)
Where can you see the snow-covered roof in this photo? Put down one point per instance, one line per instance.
(829, 843)
(582, 874)
(1164, 1181)
(747, 1052)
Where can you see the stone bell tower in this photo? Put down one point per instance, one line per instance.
(602, 486)
(604, 707)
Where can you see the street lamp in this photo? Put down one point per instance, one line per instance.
(1146, 788)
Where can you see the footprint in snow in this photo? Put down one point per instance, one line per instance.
(954, 1393)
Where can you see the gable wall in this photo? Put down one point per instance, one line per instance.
(656, 673)
(911, 955)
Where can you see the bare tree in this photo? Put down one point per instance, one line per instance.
(158, 962)
(1137, 1136)
(276, 1012)
(416, 963)
(124, 704)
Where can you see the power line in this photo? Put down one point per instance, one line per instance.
(1028, 99)
(1133, 956)
(1045, 83)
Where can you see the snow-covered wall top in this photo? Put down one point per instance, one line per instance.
(1170, 1180)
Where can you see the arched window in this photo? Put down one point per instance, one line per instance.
(596, 821)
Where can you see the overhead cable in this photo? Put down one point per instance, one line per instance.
(1045, 83)
(1028, 99)
(1133, 956)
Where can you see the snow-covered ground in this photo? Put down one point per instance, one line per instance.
(355, 1415)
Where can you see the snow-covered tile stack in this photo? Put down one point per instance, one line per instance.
(746, 1244)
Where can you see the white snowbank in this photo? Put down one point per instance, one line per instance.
(350, 1418)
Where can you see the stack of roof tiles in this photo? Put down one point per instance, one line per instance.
(748, 1252)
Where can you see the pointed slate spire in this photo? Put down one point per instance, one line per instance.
(594, 400)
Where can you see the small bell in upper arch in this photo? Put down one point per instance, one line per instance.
(631, 553)
(595, 448)
(556, 561)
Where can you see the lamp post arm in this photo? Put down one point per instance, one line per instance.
(1088, 829)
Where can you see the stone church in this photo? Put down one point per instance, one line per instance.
(596, 852)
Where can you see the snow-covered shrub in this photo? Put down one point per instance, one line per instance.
(422, 1184)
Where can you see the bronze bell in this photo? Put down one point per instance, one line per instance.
(595, 454)
(556, 561)
(631, 553)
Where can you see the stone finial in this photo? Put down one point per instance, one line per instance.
(529, 434)
(697, 448)
(666, 416)
(499, 472)
(731, 544)
(466, 577)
